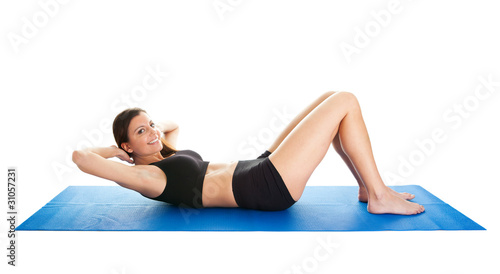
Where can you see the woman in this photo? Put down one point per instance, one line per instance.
(274, 181)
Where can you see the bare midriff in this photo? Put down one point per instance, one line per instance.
(217, 185)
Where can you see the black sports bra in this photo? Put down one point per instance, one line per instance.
(185, 171)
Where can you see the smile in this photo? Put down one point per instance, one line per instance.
(154, 141)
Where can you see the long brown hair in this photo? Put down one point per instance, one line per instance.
(120, 130)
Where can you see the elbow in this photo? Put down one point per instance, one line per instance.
(77, 157)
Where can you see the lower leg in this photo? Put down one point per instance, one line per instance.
(362, 193)
(356, 144)
(355, 141)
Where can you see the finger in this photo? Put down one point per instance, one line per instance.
(124, 158)
(127, 159)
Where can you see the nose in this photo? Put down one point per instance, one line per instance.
(152, 131)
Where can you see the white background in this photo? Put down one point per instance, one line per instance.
(230, 74)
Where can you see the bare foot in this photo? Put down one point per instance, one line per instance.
(391, 204)
(363, 194)
(402, 195)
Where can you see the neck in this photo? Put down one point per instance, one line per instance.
(148, 159)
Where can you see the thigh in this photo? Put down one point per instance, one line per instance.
(296, 120)
(306, 145)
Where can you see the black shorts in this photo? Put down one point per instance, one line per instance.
(258, 185)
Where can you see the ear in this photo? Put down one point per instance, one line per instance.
(127, 147)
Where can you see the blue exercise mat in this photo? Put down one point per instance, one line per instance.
(321, 208)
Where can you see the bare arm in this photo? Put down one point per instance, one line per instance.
(170, 131)
(95, 161)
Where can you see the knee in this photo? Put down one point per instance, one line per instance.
(344, 93)
(328, 94)
(347, 94)
(348, 98)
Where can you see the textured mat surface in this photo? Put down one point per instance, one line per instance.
(321, 208)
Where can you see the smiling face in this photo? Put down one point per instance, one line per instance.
(144, 138)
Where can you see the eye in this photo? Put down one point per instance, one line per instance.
(140, 131)
(153, 125)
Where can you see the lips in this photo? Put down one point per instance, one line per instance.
(154, 141)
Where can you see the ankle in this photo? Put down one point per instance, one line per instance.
(378, 194)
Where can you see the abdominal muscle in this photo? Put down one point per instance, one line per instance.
(218, 185)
